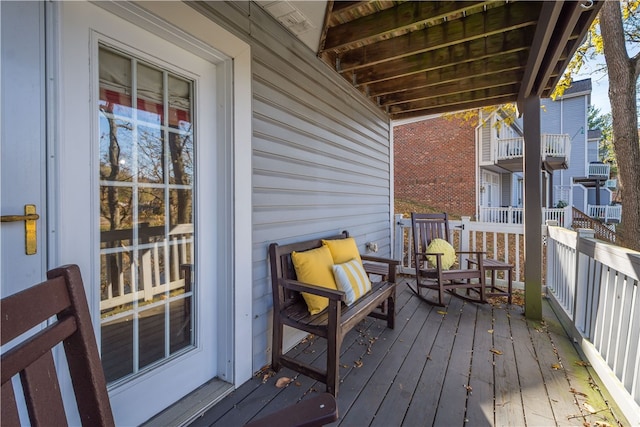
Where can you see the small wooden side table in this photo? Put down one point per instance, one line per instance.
(493, 265)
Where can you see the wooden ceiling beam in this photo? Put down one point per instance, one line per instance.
(404, 17)
(451, 88)
(485, 65)
(578, 35)
(452, 108)
(473, 51)
(444, 75)
(513, 16)
(544, 31)
(458, 98)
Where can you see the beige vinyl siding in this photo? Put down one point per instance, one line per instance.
(321, 156)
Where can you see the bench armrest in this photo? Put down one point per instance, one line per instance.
(389, 273)
(380, 259)
(294, 285)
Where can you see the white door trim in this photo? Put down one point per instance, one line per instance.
(168, 17)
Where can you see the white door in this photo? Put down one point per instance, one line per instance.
(135, 194)
(22, 155)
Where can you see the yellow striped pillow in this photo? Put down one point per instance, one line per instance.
(352, 279)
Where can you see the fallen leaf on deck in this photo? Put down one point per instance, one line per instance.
(283, 382)
(358, 364)
(556, 366)
(345, 365)
(582, 363)
(441, 312)
(468, 387)
(490, 331)
(602, 424)
(579, 393)
(495, 351)
(298, 383)
(589, 408)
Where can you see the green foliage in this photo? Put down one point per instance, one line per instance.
(603, 122)
(594, 45)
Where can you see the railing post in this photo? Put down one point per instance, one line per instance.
(581, 284)
(398, 239)
(464, 233)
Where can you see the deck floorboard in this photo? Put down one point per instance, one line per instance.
(460, 365)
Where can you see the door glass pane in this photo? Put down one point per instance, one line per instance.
(146, 214)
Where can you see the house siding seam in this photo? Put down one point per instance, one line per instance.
(434, 163)
(321, 155)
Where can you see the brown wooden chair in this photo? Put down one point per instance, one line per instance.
(315, 411)
(425, 228)
(61, 300)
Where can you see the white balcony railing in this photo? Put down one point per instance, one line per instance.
(599, 170)
(594, 286)
(510, 215)
(551, 145)
(510, 148)
(606, 213)
(612, 184)
(555, 145)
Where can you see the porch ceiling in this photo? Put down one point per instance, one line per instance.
(418, 58)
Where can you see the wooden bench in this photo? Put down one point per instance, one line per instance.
(289, 308)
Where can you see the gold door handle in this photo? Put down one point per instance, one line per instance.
(30, 236)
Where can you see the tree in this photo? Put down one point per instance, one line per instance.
(617, 24)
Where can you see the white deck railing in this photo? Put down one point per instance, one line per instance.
(510, 215)
(605, 212)
(159, 265)
(503, 242)
(595, 285)
(599, 170)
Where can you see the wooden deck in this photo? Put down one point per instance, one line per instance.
(467, 364)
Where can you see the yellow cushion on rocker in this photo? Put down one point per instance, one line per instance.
(441, 246)
(352, 279)
(315, 268)
(343, 250)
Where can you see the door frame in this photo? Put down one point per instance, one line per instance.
(170, 20)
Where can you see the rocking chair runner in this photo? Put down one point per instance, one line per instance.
(426, 228)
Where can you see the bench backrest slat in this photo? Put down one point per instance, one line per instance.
(282, 265)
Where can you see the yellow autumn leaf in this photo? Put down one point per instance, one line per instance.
(556, 366)
(582, 363)
(495, 351)
(441, 312)
(589, 408)
(283, 382)
(358, 364)
(490, 331)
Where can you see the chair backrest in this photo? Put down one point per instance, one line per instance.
(61, 300)
(426, 227)
(282, 266)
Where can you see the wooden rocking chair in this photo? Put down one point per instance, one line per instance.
(62, 301)
(426, 228)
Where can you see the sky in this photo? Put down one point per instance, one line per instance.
(599, 79)
(599, 84)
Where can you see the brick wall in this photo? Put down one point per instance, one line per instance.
(435, 164)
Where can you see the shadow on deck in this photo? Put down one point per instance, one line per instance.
(466, 364)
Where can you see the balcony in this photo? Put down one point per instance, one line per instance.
(475, 364)
(554, 150)
(607, 213)
(599, 170)
(511, 215)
